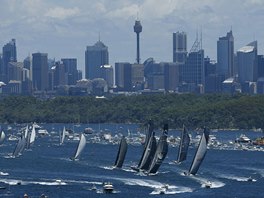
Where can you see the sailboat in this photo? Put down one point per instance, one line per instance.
(184, 145)
(2, 137)
(200, 153)
(149, 149)
(121, 153)
(161, 152)
(62, 136)
(20, 146)
(80, 147)
(30, 136)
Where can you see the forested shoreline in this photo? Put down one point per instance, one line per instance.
(195, 111)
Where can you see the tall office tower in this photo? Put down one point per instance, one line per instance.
(260, 66)
(225, 56)
(9, 55)
(1, 67)
(247, 62)
(137, 76)
(15, 71)
(28, 65)
(95, 57)
(137, 30)
(193, 70)
(123, 79)
(59, 74)
(179, 47)
(107, 73)
(171, 76)
(70, 65)
(40, 71)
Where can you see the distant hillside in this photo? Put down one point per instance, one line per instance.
(214, 111)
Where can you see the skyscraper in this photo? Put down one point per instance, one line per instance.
(123, 73)
(179, 47)
(247, 63)
(70, 65)
(225, 56)
(193, 70)
(40, 71)
(9, 55)
(95, 57)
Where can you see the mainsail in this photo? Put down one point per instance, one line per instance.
(121, 153)
(80, 147)
(2, 136)
(32, 135)
(184, 145)
(200, 153)
(149, 149)
(20, 146)
(62, 137)
(149, 153)
(161, 151)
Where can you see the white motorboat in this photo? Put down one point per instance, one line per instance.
(242, 139)
(108, 187)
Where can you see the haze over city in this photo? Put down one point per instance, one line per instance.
(65, 28)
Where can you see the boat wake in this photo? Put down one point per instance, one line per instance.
(20, 182)
(107, 167)
(172, 189)
(236, 178)
(256, 170)
(204, 181)
(4, 174)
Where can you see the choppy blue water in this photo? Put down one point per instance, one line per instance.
(47, 169)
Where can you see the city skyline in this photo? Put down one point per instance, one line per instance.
(65, 29)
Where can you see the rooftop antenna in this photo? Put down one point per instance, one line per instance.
(99, 36)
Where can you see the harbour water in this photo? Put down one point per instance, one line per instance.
(46, 167)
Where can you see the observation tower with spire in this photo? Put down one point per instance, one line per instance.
(137, 30)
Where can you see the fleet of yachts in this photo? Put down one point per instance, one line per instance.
(155, 146)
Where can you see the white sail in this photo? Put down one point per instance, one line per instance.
(62, 136)
(2, 137)
(26, 132)
(32, 135)
(200, 153)
(80, 147)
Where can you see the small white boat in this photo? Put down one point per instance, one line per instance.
(163, 189)
(108, 187)
(208, 184)
(242, 139)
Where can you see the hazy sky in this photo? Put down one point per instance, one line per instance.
(63, 28)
